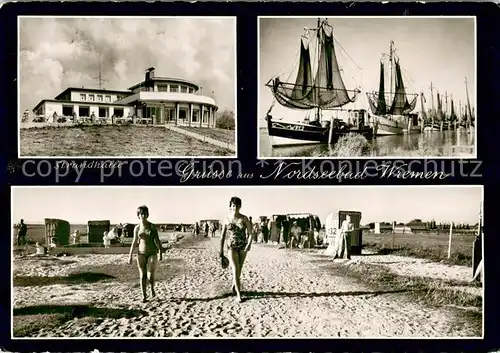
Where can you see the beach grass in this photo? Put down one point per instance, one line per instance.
(223, 135)
(433, 247)
(432, 291)
(113, 140)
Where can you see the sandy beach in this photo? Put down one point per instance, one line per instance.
(289, 293)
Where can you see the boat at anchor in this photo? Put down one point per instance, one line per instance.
(325, 91)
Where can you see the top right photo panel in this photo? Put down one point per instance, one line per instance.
(367, 87)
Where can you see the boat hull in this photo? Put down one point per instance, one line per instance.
(395, 125)
(309, 133)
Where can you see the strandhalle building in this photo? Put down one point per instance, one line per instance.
(157, 100)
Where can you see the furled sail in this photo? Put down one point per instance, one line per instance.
(326, 90)
(304, 75)
(453, 116)
(400, 104)
(379, 106)
(439, 108)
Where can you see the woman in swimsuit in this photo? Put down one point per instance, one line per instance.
(238, 230)
(147, 239)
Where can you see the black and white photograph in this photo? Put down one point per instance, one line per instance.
(261, 261)
(367, 87)
(127, 86)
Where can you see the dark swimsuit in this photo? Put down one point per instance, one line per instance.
(151, 249)
(236, 239)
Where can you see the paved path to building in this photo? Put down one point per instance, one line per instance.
(288, 293)
(203, 138)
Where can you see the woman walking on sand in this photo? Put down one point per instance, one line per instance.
(343, 240)
(237, 229)
(147, 239)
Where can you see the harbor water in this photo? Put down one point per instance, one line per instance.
(448, 143)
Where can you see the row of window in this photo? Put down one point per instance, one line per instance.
(96, 98)
(155, 114)
(174, 88)
(85, 111)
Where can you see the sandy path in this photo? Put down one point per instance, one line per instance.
(289, 294)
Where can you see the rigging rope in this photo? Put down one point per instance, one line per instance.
(345, 51)
(271, 107)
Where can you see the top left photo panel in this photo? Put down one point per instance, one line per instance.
(127, 87)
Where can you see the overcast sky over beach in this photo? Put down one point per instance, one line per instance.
(187, 204)
(437, 50)
(56, 53)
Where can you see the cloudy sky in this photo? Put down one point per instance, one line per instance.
(56, 53)
(188, 204)
(438, 50)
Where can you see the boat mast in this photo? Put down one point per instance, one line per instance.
(469, 112)
(318, 36)
(391, 52)
(432, 99)
(445, 104)
(422, 108)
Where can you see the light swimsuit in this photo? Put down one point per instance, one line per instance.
(148, 238)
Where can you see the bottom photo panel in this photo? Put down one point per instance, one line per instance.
(225, 262)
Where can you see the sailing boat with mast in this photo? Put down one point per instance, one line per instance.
(324, 91)
(391, 111)
(468, 109)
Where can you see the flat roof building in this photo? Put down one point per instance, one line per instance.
(156, 100)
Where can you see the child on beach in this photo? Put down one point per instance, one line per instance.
(238, 230)
(147, 239)
(105, 240)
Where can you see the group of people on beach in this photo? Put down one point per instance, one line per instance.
(236, 240)
(207, 228)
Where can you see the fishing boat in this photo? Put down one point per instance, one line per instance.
(391, 110)
(319, 93)
(438, 119)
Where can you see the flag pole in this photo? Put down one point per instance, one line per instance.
(449, 240)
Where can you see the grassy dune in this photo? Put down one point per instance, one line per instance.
(433, 247)
(113, 140)
(223, 135)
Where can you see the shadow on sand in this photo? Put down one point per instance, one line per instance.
(27, 321)
(78, 311)
(260, 295)
(75, 278)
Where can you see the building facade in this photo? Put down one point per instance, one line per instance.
(156, 100)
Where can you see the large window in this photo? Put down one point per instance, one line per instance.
(83, 111)
(170, 114)
(174, 88)
(205, 117)
(103, 112)
(191, 90)
(182, 114)
(67, 110)
(162, 88)
(184, 89)
(118, 112)
(196, 114)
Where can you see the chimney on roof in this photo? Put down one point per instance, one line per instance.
(150, 74)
